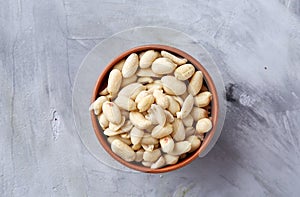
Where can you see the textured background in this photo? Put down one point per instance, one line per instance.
(256, 45)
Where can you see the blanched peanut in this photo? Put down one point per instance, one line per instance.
(112, 112)
(115, 127)
(178, 99)
(147, 58)
(163, 66)
(119, 65)
(187, 107)
(125, 103)
(139, 155)
(178, 130)
(203, 99)
(141, 95)
(129, 80)
(147, 147)
(173, 85)
(203, 125)
(103, 121)
(145, 80)
(195, 83)
(151, 156)
(130, 66)
(175, 59)
(173, 107)
(136, 135)
(153, 86)
(147, 72)
(139, 120)
(114, 82)
(188, 121)
(109, 132)
(181, 148)
(160, 98)
(149, 140)
(127, 126)
(112, 138)
(162, 131)
(156, 112)
(195, 142)
(131, 89)
(190, 131)
(184, 72)
(159, 163)
(171, 159)
(169, 116)
(167, 144)
(97, 105)
(122, 150)
(145, 103)
(199, 113)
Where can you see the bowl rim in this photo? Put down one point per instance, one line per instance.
(214, 107)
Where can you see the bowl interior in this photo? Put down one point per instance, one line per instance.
(102, 83)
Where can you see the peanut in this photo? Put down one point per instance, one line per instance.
(115, 127)
(130, 65)
(171, 159)
(151, 156)
(163, 66)
(103, 121)
(160, 98)
(136, 135)
(97, 105)
(125, 103)
(159, 163)
(139, 120)
(195, 142)
(145, 103)
(157, 112)
(178, 130)
(173, 85)
(145, 80)
(188, 121)
(112, 138)
(184, 72)
(203, 99)
(167, 144)
(112, 112)
(199, 113)
(147, 58)
(181, 148)
(114, 82)
(129, 80)
(122, 150)
(162, 131)
(175, 59)
(195, 83)
(203, 125)
(187, 107)
(147, 72)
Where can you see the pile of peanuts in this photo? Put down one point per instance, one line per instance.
(155, 108)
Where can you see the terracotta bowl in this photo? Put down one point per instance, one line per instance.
(102, 83)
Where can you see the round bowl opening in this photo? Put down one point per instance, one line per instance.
(207, 80)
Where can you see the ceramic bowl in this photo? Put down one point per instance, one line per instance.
(102, 83)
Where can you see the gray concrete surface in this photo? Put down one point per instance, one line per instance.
(256, 45)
